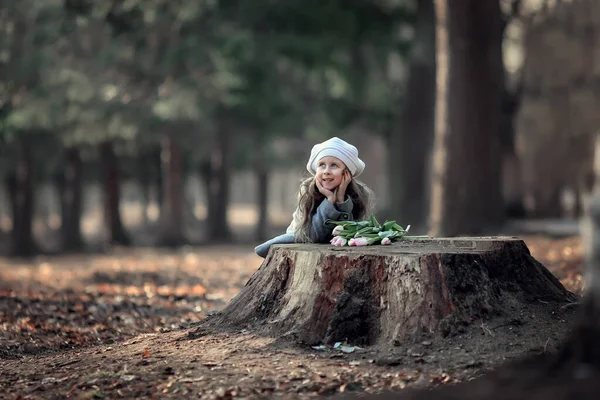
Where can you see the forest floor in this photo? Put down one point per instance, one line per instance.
(120, 325)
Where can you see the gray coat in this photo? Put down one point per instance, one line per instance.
(320, 230)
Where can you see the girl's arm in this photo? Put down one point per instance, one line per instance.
(287, 238)
(263, 249)
(320, 230)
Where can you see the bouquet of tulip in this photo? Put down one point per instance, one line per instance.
(364, 233)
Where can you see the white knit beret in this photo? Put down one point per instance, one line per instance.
(338, 148)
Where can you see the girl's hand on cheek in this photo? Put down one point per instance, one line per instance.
(341, 190)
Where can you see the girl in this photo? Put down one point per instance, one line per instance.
(332, 193)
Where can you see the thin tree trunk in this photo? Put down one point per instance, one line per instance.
(70, 184)
(466, 190)
(411, 142)
(151, 180)
(262, 181)
(205, 175)
(144, 179)
(11, 189)
(218, 187)
(23, 243)
(547, 202)
(112, 197)
(512, 188)
(171, 213)
(158, 177)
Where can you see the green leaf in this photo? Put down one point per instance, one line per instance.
(374, 221)
(387, 225)
(398, 228)
(389, 233)
(342, 223)
(371, 235)
(360, 232)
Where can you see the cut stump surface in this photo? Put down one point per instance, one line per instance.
(379, 295)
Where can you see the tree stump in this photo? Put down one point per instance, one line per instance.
(376, 295)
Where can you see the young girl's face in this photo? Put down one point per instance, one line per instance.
(330, 171)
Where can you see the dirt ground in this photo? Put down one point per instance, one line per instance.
(121, 325)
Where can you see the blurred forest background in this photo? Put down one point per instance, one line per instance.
(130, 122)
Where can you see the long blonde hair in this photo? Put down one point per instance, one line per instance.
(309, 199)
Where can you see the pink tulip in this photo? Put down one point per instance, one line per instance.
(351, 242)
(386, 241)
(337, 230)
(338, 241)
(361, 241)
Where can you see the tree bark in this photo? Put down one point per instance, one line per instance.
(22, 241)
(467, 186)
(70, 187)
(381, 295)
(411, 143)
(171, 214)
(112, 197)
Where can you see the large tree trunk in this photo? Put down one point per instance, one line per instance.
(171, 214)
(381, 295)
(112, 197)
(466, 191)
(70, 188)
(217, 179)
(22, 243)
(411, 142)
